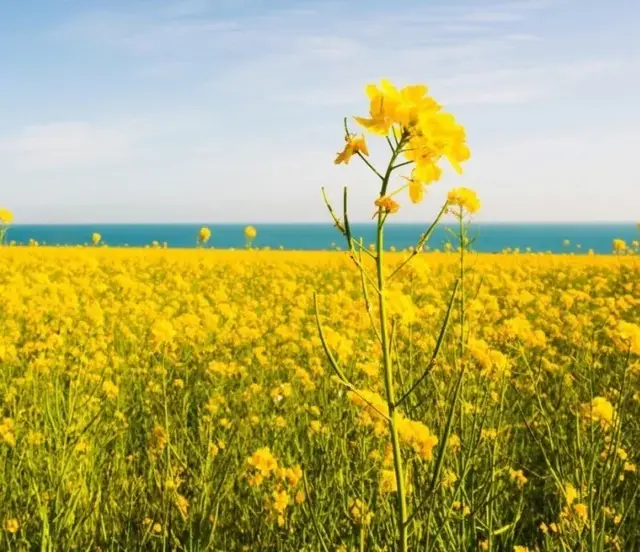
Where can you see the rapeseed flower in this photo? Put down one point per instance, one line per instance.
(11, 525)
(263, 461)
(599, 410)
(423, 133)
(204, 235)
(354, 145)
(6, 216)
(388, 483)
(464, 198)
(387, 204)
(250, 233)
(619, 246)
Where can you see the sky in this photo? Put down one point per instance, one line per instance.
(231, 110)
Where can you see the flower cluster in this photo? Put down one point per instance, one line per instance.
(600, 410)
(263, 467)
(412, 433)
(417, 128)
(204, 235)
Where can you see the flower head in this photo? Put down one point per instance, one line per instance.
(6, 216)
(422, 132)
(263, 461)
(465, 199)
(354, 145)
(387, 204)
(250, 232)
(388, 483)
(389, 106)
(204, 235)
(619, 246)
(11, 525)
(599, 410)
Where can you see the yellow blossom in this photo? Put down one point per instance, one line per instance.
(354, 145)
(464, 198)
(6, 216)
(388, 483)
(11, 525)
(387, 204)
(619, 246)
(250, 232)
(518, 477)
(570, 493)
(204, 235)
(263, 461)
(599, 410)
(280, 501)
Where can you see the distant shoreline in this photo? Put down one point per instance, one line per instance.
(485, 237)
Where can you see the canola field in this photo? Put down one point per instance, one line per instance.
(182, 400)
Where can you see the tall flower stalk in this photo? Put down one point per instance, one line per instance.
(419, 135)
(204, 235)
(6, 218)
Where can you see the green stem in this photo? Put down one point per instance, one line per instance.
(462, 246)
(388, 382)
(387, 361)
(370, 165)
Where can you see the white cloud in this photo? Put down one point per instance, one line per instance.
(267, 93)
(523, 84)
(493, 17)
(69, 144)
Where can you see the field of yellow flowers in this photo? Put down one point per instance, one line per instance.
(157, 399)
(182, 400)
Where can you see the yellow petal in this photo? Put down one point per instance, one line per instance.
(427, 172)
(388, 88)
(375, 126)
(360, 145)
(414, 92)
(416, 191)
(372, 91)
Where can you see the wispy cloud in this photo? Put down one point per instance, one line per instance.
(232, 110)
(316, 55)
(69, 144)
(525, 84)
(80, 144)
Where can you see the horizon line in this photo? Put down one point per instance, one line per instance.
(307, 223)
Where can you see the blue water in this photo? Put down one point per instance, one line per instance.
(488, 237)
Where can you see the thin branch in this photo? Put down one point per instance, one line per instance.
(332, 360)
(363, 249)
(442, 450)
(313, 517)
(403, 164)
(359, 154)
(347, 226)
(364, 271)
(334, 363)
(335, 218)
(421, 242)
(434, 356)
(347, 133)
(368, 303)
(390, 144)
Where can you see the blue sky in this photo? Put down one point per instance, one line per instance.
(231, 110)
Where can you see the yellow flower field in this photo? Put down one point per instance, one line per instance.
(182, 400)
